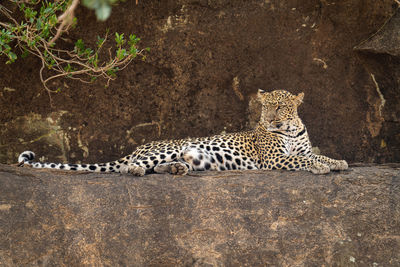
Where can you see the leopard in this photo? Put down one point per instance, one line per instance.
(278, 142)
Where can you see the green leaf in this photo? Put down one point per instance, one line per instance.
(29, 13)
(79, 46)
(119, 39)
(121, 53)
(53, 20)
(74, 22)
(25, 53)
(48, 10)
(32, 43)
(39, 24)
(103, 12)
(6, 47)
(133, 51)
(101, 7)
(12, 56)
(96, 60)
(133, 40)
(88, 52)
(68, 68)
(111, 72)
(99, 41)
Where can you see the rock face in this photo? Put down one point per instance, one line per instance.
(386, 40)
(207, 60)
(251, 218)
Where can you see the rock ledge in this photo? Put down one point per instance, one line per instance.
(248, 218)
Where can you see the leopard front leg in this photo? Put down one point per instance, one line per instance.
(334, 165)
(293, 163)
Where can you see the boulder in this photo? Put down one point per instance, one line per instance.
(386, 40)
(206, 62)
(233, 218)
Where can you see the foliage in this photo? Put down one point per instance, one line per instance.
(102, 7)
(42, 25)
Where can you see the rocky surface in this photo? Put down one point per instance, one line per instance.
(207, 60)
(251, 218)
(386, 40)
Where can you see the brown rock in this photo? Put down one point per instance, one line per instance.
(207, 59)
(386, 40)
(251, 218)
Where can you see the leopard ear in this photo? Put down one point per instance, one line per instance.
(299, 98)
(260, 94)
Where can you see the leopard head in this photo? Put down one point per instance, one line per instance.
(279, 110)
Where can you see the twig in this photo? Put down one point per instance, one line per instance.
(66, 19)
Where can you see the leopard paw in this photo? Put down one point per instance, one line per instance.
(136, 170)
(175, 168)
(339, 165)
(179, 169)
(319, 168)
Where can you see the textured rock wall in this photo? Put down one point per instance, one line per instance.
(251, 218)
(207, 60)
